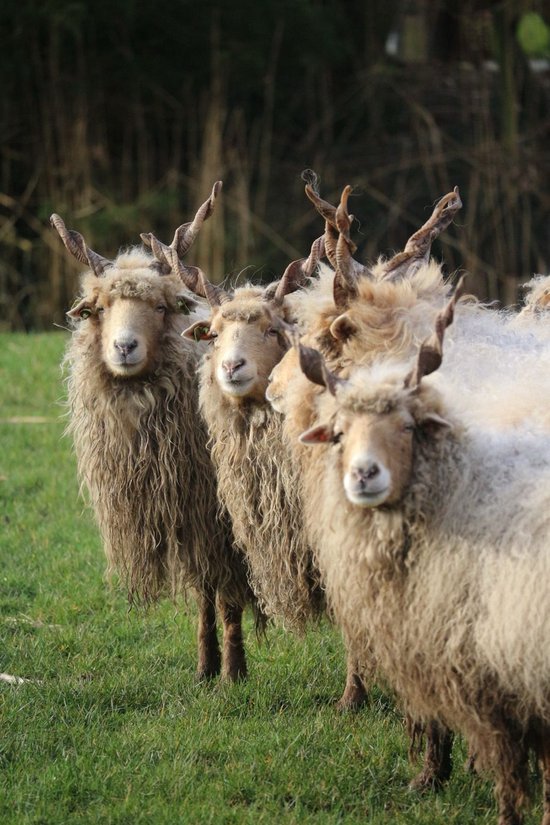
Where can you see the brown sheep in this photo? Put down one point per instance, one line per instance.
(140, 442)
(256, 479)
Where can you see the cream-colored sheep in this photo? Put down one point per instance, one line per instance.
(433, 539)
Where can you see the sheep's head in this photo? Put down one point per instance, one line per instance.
(376, 416)
(245, 340)
(340, 248)
(128, 304)
(388, 309)
(244, 343)
(128, 311)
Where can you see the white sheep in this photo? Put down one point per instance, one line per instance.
(433, 540)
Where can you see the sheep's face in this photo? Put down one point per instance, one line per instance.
(244, 344)
(375, 453)
(130, 333)
(374, 437)
(127, 316)
(279, 379)
(376, 456)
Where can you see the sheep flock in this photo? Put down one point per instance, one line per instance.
(360, 441)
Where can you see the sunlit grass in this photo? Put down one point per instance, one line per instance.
(113, 727)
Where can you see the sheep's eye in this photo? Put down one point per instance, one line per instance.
(161, 308)
(85, 313)
(272, 331)
(100, 310)
(337, 437)
(408, 428)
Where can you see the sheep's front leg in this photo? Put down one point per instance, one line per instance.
(354, 695)
(437, 758)
(209, 664)
(511, 780)
(234, 660)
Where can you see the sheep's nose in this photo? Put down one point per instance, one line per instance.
(367, 473)
(126, 347)
(232, 366)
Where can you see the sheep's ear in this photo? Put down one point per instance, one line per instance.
(432, 424)
(343, 328)
(185, 304)
(321, 434)
(80, 311)
(199, 331)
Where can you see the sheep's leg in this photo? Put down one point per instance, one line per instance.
(511, 781)
(437, 758)
(209, 664)
(354, 695)
(234, 660)
(544, 755)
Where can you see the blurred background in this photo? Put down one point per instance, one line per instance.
(120, 114)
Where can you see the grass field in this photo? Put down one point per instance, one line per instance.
(113, 728)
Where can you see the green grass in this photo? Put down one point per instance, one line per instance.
(115, 729)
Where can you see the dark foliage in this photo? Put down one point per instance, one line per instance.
(120, 115)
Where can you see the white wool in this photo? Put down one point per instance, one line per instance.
(495, 373)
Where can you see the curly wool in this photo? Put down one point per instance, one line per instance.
(141, 452)
(257, 484)
(449, 589)
(389, 317)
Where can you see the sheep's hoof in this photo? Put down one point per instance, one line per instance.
(353, 699)
(427, 781)
(207, 672)
(235, 672)
(204, 676)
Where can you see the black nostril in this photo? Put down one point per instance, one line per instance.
(373, 471)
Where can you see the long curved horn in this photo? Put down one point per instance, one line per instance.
(76, 245)
(192, 276)
(215, 295)
(348, 270)
(185, 234)
(418, 247)
(296, 272)
(328, 212)
(430, 354)
(169, 256)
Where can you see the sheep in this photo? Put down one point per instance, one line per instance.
(354, 313)
(351, 315)
(256, 479)
(140, 442)
(433, 539)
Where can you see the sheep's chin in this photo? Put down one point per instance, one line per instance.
(239, 388)
(126, 370)
(367, 499)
